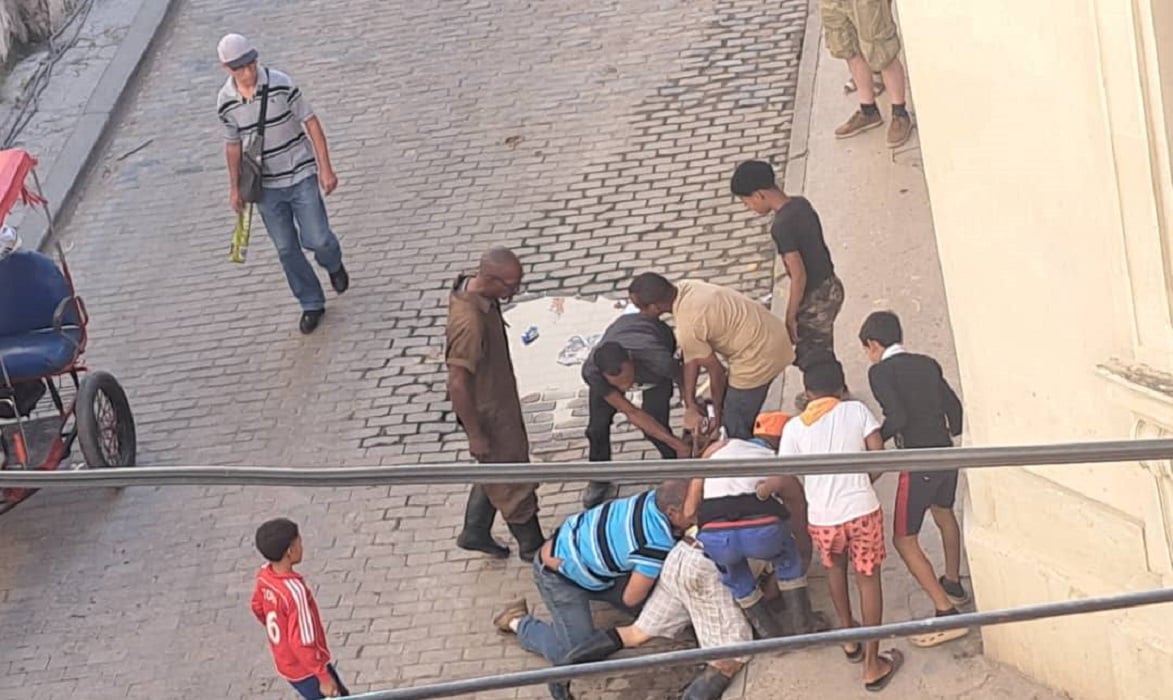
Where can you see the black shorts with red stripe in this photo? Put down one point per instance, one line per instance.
(919, 491)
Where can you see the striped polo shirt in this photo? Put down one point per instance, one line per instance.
(288, 154)
(602, 544)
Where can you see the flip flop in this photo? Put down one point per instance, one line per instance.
(894, 657)
(932, 639)
(857, 655)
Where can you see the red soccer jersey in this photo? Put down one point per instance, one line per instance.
(284, 604)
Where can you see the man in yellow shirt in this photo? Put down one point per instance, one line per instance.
(735, 339)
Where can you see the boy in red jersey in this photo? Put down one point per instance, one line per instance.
(284, 604)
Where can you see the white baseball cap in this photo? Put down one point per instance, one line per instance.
(235, 51)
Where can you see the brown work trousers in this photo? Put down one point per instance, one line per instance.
(517, 503)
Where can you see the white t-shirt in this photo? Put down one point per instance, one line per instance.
(736, 485)
(834, 499)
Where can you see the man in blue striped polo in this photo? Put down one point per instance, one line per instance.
(613, 553)
(295, 171)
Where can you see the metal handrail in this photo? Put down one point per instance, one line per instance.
(767, 646)
(644, 471)
(654, 470)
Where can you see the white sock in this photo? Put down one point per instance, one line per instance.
(514, 624)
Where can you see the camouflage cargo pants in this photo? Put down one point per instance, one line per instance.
(816, 319)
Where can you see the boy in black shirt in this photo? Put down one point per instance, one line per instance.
(816, 294)
(635, 352)
(921, 410)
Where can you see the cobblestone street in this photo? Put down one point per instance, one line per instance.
(595, 138)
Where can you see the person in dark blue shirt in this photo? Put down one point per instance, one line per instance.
(636, 353)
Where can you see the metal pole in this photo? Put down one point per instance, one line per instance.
(644, 471)
(766, 646)
(50, 233)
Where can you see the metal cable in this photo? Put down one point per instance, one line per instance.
(29, 99)
(643, 471)
(767, 646)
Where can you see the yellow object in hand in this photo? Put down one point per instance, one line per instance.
(240, 236)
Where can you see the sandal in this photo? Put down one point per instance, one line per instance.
(932, 639)
(895, 657)
(877, 86)
(857, 655)
(854, 656)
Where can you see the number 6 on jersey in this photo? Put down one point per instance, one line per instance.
(272, 628)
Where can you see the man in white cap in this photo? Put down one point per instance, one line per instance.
(293, 151)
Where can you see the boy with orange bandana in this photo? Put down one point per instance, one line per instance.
(843, 512)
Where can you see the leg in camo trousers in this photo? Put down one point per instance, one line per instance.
(816, 320)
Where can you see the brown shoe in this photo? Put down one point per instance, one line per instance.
(899, 130)
(858, 123)
(513, 611)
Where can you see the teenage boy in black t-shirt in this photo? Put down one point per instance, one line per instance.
(816, 294)
(635, 352)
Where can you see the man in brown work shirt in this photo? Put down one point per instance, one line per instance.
(483, 390)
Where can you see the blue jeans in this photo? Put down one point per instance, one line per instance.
(295, 218)
(730, 547)
(310, 689)
(741, 409)
(570, 616)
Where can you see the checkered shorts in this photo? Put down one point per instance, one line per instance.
(689, 591)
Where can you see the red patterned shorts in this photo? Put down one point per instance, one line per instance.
(864, 537)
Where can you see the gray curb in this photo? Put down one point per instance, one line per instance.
(794, 180)
(61, 176)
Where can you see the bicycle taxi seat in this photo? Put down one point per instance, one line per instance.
(41, 332)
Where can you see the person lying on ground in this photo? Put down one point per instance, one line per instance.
(690, 592)
(612, 553)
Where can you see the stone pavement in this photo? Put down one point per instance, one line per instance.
(596, 139)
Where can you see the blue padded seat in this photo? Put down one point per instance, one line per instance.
(31, 289)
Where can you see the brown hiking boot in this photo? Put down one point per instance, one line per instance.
(512, 611)
(899, 130)
(858, 123)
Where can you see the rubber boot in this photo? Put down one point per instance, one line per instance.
(709, 685)
(529, 538)
(478, 524)
(763, 621)
(595, 493)
(799, 618)
(598, 646)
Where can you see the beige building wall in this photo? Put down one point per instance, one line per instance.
(1045, 127)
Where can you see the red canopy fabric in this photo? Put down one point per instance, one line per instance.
(14, 168)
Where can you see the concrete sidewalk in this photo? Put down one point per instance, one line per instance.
(876, 216)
